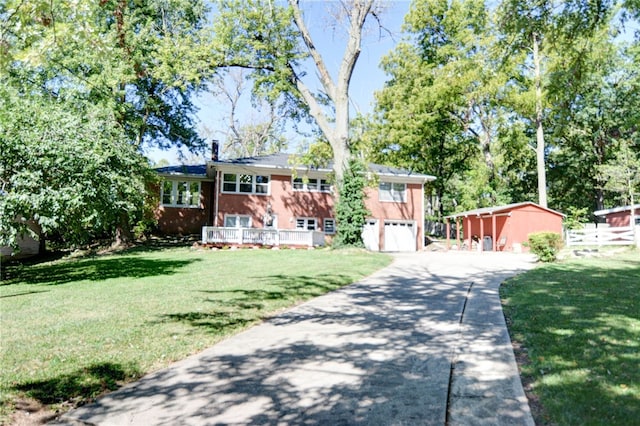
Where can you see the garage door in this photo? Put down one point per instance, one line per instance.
(399, 236)
(370, 235)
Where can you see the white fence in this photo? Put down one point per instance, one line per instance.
(267, 237)
(601, 237)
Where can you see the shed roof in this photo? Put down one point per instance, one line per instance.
(605, 212)
(488, 211)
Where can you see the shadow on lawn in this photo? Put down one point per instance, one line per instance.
(81, 385)
(233, 309)
(93, 269)
(378, 352)
(581, 322)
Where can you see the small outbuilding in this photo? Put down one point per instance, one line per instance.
(620, 217)
(502, 228)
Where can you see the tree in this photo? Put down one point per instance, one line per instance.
(143, 60)
(595, 116)
(275, 42)
(67, 170)
(253, 135)
(541, 30)
(622, 173)
(438, 112)
(132, 67)
(351, 210)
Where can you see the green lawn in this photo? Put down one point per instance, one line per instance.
(72, 329)
(579, 322)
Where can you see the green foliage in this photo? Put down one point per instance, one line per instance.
(85, 85)
(595, 128)
(350, 209)
(545, 245)
(67, 168)
(576, 217)
(443, 111)
(460, 101)
(622, 173)
(143, 60)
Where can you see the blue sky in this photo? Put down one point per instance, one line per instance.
(367, 77)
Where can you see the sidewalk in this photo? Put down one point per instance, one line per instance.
(390, 349)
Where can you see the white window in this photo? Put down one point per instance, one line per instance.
(329, 226)
(393, 192)
(307, 223)
(245, 184)
(302, 184)
(180, 193)
(237, 221)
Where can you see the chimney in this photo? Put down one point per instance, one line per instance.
(214, 150)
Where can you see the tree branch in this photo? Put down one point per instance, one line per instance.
(358, 13)
(314, 107)
(323, 72)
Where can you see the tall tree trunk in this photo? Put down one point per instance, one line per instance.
(338, 91)
(123, 231)
(540, 162)
(599, 197)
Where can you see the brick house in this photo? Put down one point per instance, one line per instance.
(270, 198)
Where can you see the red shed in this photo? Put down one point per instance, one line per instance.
(620, 216)
(504, 228)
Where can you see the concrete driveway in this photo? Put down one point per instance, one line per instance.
(421, 342)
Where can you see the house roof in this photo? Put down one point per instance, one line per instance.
(499, 209)
(283, 161)
(605, 212)
(195, 170)
(278, 160)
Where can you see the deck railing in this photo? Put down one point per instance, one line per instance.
(267, 237)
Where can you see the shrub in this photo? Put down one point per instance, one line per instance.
(545, 245)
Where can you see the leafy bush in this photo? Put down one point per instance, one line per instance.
(545, 245)
(576, 217)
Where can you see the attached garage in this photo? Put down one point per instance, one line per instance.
(370, 235)
(399, 235)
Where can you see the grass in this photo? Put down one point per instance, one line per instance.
(579, 323)
(72, 329)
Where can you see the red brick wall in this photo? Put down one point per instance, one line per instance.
(177, 220)
(286, 204)
(410, 210)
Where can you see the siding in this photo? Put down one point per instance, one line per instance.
(620, 219)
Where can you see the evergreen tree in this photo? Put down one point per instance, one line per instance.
(350, 209)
